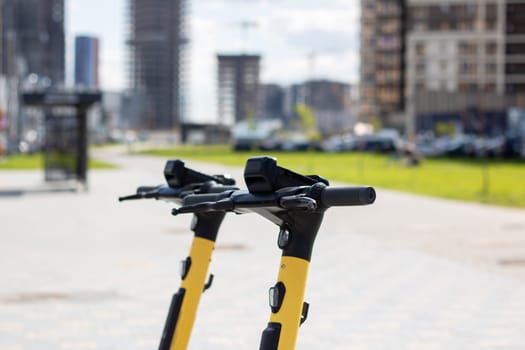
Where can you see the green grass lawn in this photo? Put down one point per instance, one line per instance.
(448, 178)
(36, 161)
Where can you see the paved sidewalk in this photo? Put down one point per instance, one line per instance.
(82, 271)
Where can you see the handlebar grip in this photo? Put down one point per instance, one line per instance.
(142, 189)
(343, 196)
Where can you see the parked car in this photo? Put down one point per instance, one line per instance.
(271, 144)
(375, 143)
(490, 147)
(460, 146)
(339, 144)
(300, 144)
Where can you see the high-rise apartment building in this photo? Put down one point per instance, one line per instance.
(514, 47)
(238, 87)
(458, 61)
(464, 61)
(32, 39)
(157, 44)
(86, 61)
(382, 61)
(456, 46)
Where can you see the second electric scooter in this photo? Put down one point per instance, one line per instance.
(181, 182)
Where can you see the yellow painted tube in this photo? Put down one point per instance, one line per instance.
(293, 273)
(193, 283)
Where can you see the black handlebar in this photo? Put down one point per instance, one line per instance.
(142, 189)
(309, 198)
(130, 197)
(183, 181)
(156, 192)
(211, 188)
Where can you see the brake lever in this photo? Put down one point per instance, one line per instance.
(221, 205)
(298, 202)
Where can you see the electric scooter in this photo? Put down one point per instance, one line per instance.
(181, 182)
(296, 203)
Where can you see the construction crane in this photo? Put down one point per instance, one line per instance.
(245, 26)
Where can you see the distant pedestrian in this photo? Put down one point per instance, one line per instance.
(411, 155)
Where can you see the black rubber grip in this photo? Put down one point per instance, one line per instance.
(343, 196)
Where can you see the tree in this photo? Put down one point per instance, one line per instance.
(307, 121)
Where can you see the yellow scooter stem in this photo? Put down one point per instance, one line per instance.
(193, 286)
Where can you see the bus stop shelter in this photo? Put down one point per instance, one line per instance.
(66, 132)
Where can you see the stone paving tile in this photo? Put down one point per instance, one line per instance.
(103, 277)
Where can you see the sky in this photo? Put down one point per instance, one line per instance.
(297, 39)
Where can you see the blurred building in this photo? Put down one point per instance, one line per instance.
(157, 42)
(112, 110)
(272, 100)
(2, 48)
(329, 100)
(382, 62)
(325, 94)
(426, 62)
(464, 63)
(3, 115)
(32, 54)
(32, 39)
(86, 61)
(3, 93)
(132, 109)
(238, 87)
(514, 29)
